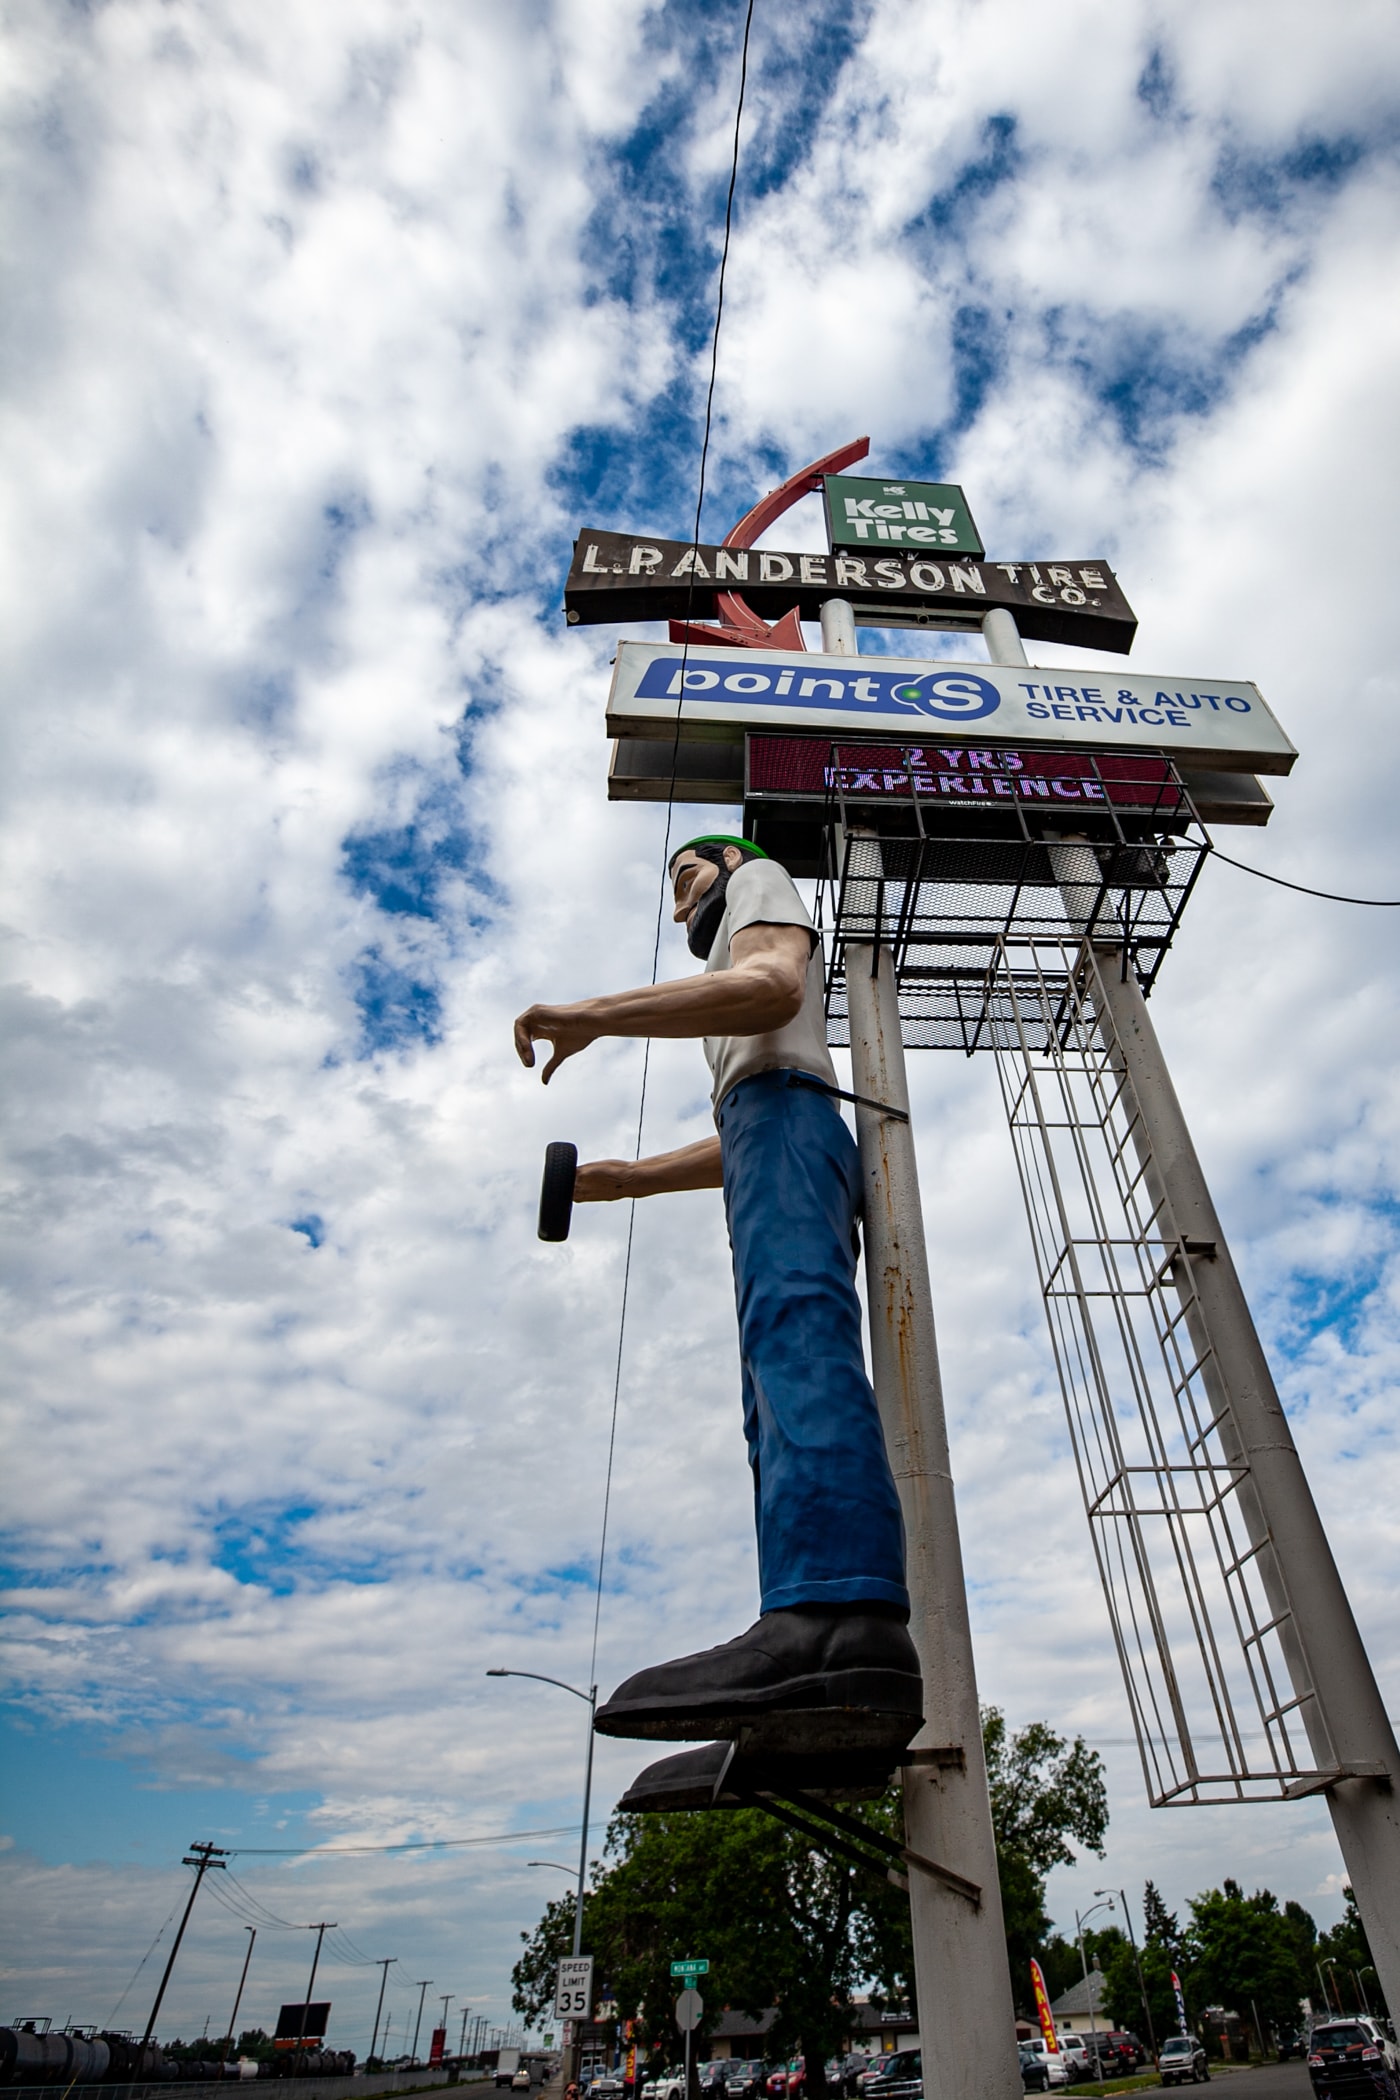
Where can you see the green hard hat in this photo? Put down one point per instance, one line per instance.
(717, 838)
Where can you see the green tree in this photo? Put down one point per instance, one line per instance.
(775, 1918)
(1044, 1792)
(1242, 1952)
(1047, 1795)
(1347, 1945)
(1158, 1923)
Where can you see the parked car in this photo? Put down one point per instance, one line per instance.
(1352, 2057)
(713, 2078)
(1035, 2073)
(848, 2070)
(1291, 2042)
(899, 2077)
(1056, 2069)
(1074, 2048)
(1126, 2049)
(608, 2085)
(745, 2079)
(1181, 2059)
(670, 2085)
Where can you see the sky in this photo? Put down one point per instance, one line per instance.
(326, 330)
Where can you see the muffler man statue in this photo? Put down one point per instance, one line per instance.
(829, 1663)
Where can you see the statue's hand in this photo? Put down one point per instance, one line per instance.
(604, 1181)
(562, 1026)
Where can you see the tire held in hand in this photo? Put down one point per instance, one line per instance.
(557, 1190)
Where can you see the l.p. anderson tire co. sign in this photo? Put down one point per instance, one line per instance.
(617, 576)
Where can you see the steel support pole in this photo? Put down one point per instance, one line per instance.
(839, 628)
(962, 1980)
(1346, 1719)
(1344, 1716)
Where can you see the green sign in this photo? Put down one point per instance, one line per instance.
(910, 514)
(690, 1968)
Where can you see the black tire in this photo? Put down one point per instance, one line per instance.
(557, 1190)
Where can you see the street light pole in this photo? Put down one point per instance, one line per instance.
(1079, 1924)
(385, 1962)
(590, 1700)
(1142, 1986)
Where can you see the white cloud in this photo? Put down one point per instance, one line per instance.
(305, 319)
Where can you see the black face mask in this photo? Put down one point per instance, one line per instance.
(704, 921)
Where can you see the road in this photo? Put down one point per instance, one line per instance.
(1267, 2082)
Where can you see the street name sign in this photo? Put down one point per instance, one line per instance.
(1224, 723)
(690, 1968)
(573, 1989)
(617, 576)
(930, 516)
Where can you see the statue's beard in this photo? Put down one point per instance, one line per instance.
(703, 923)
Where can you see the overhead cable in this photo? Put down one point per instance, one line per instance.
(1330, 896)
(670, 809)
(495, 1837)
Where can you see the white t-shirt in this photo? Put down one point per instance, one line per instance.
(760, 893)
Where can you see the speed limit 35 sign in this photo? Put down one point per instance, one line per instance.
(573, 1991)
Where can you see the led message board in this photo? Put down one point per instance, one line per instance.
(617, 576)
(809, 769)
(931, 516)
(1219, 722)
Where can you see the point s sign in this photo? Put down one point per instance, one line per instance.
(725, 691)
(944, 694)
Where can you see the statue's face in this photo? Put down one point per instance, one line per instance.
(692, 877)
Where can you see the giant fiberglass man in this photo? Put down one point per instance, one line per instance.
(832, 1637)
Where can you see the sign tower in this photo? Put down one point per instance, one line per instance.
(1002, 855)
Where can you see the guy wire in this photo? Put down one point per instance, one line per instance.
(670, 810)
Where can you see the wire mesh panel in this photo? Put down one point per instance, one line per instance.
(948, 887)
(1204, 1638)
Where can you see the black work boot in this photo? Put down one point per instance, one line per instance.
(815, 1677)
(725, 1775)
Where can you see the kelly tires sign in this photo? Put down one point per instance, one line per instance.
(723, 692)
(929, 516)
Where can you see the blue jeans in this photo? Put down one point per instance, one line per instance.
(828, 1517)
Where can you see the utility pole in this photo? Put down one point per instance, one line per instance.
(384, 1963)
(320, 1932)
(422, 1983)
(201, 1858)
(462, 2044)
(231, 2037)
(447, 1998)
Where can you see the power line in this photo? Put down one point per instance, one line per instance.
(1303, 889)
(670, 810)
(495, 1837)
